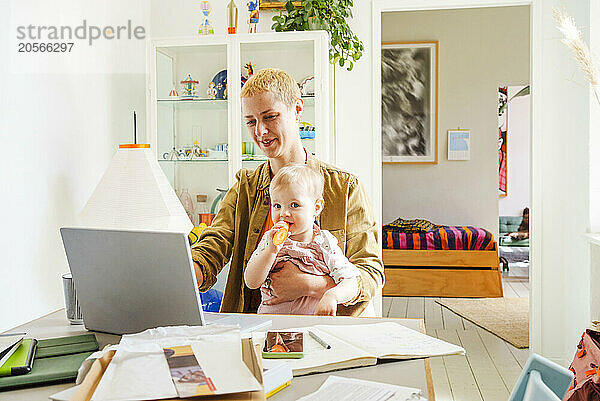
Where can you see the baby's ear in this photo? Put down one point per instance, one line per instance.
(319, 206)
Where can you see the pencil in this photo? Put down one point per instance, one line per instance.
(319, 340)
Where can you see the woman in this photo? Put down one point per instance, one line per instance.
(272, 107)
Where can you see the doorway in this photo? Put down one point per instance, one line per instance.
(452, 192)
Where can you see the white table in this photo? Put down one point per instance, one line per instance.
(411, 373)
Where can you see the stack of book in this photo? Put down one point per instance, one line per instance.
(29, 362)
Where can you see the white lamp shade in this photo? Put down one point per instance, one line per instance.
(134, 193)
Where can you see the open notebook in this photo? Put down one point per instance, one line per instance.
(362, 345)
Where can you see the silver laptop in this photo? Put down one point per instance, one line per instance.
(129, 281)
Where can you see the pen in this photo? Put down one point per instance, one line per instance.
(319, 340)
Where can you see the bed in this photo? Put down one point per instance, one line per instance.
(423, 259)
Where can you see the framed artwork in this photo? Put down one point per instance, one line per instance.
(459, 144)
(502, 133)
(265, 4)
(409, 102)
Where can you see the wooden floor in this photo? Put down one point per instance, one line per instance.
(490, 367)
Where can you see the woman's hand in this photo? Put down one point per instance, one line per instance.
(291, 283)
(327, 306)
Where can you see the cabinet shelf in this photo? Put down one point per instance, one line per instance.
(198, 100)
(202, 160)
(254, 158)
(200, 103)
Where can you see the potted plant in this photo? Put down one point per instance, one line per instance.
(330, 15)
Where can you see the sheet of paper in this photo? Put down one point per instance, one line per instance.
(392, 340)
(8, 345)
(317, 358)
(345, 389)
(459, 144)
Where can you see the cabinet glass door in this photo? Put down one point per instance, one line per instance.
(192, 121)
(297, 59)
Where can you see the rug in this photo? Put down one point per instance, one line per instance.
(508, 318)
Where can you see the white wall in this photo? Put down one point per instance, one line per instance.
(479, 49)
(560, 209)
(58, 134)
(519, 133)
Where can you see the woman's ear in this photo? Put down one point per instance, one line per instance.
(319, 206)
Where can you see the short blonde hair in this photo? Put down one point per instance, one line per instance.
(299, 175)
(273, 80)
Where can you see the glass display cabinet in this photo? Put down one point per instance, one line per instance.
(196, 127)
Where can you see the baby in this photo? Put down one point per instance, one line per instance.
(296, 201)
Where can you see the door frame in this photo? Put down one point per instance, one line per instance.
(382, 6)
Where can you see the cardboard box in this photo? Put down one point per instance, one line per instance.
(250, 355)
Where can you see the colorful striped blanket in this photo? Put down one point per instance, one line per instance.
(442, 237)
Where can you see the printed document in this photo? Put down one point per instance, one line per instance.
(345, 389)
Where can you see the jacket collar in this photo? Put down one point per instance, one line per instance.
(264, 179)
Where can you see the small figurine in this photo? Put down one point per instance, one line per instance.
(211, 91)
(188, 88)
(232, 17)
(173, 93)
(253, 21)
(250, 68)
(206, 27)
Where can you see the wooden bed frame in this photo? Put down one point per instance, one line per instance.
(442, 273)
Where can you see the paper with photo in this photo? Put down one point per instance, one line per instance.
(139, 369)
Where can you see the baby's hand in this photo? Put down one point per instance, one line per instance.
(327, 306)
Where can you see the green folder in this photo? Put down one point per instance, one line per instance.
(56, 360)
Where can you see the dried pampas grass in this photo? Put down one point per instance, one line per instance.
(572, 38)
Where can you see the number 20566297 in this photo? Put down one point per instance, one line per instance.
(35, 47)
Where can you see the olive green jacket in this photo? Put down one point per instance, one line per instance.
(236, 229)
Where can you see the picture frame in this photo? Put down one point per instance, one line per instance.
(268, 4)
(409, 101)
(502, 141)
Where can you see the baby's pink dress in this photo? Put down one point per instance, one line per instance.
(322, 256)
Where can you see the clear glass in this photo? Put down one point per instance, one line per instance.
(193, 119)
(297, 59)
(72, 308)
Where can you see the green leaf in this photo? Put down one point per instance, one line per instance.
(289, 6)
(308, 5)
(341, 62)
(523, 92)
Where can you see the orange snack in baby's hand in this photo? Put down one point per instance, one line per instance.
(281, 235)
